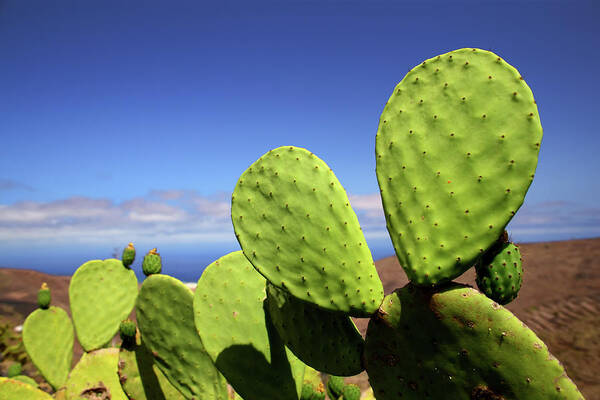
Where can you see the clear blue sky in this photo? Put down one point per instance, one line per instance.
(132, 121)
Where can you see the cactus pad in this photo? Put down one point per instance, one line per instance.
(455, 343)
(165, 318)
(294, 222)
(140, 378)
(335, 385)
(327, 341)
(48, 339)
(456, 151)
(351, 392)
(14, 369)
(11, 389)
(102, 294)
(95, 376)
(499, 276)
(128, 255)
(230, 298)
(44, 297)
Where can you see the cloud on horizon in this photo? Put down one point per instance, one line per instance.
(186, 217)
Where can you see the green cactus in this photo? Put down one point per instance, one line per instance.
(11, 389)
(351, 392)
(48, 338)
(140, 378)
(95, 377)
(128, 255)
(102, 293)
(499, 273)
(233, 322)
(335, 385)
(294, 223)
(165, 317)
(44, 296)
(14, 369)
(327, 341)
(456, 343)
(127, 331)
(456, 151)
(152, 263)
(25, 379)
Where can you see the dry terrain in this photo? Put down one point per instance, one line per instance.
(559, 300)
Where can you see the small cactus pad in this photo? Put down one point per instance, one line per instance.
(294, 222)
(102, 294)
(127, 331)
(327, 341)
(335, 385)
(48, 339)
(456, 343)
(14, 369)
(140, 378)
(44, 296)
(95, 376)
(128, 255)
(25, 379)
(351, 392)
(500, 274)
(11, 389)
(456, 151)
(152, 263)
(230, 298)
(165, 318)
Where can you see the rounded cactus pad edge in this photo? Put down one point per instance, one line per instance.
(456, 151)
(294, 222)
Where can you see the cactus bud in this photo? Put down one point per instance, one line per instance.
(127, 331)
(44, 296)
(14, 370)
(128, 255)
(152, 263)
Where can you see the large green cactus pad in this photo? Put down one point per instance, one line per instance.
(140, 378)
(11, 389)
(294, 222)
(102, 293)
(48, 339)
(96, 375)
(456, 151)
(233, 321)
(165, 318)
(456, 343)
(322, 339)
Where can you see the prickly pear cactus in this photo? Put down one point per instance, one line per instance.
(165, 319)
(102, 293)
(351, 392)
(456, 343)
(327, 341)
(139, 376)
(95, 377)
(14, 370)
(335, 385)
(128, 255)
(48, 339)
(11, 389)
(456, 151)
(230, 298)
(499, 274)
(294, 222)
(152, 263)
(44, 297)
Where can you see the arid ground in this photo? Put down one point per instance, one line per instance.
(559, 300)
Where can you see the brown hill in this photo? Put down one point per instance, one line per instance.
(559, 300)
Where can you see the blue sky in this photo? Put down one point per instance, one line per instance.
(132, 121)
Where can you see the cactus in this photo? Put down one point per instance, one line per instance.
(14, 369)
(25, 379)
(152, 263)
(294, 223)
(127, 332)
(102, 293)
(230, 298)
(11, 389)
(48, 339)
(322, 339)
(128, 255)
(335, 385)
(44, 297)
(95, 377)
(351, 392)
(165, 318)
(454, 342)
(456, 151)
(499, 272)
